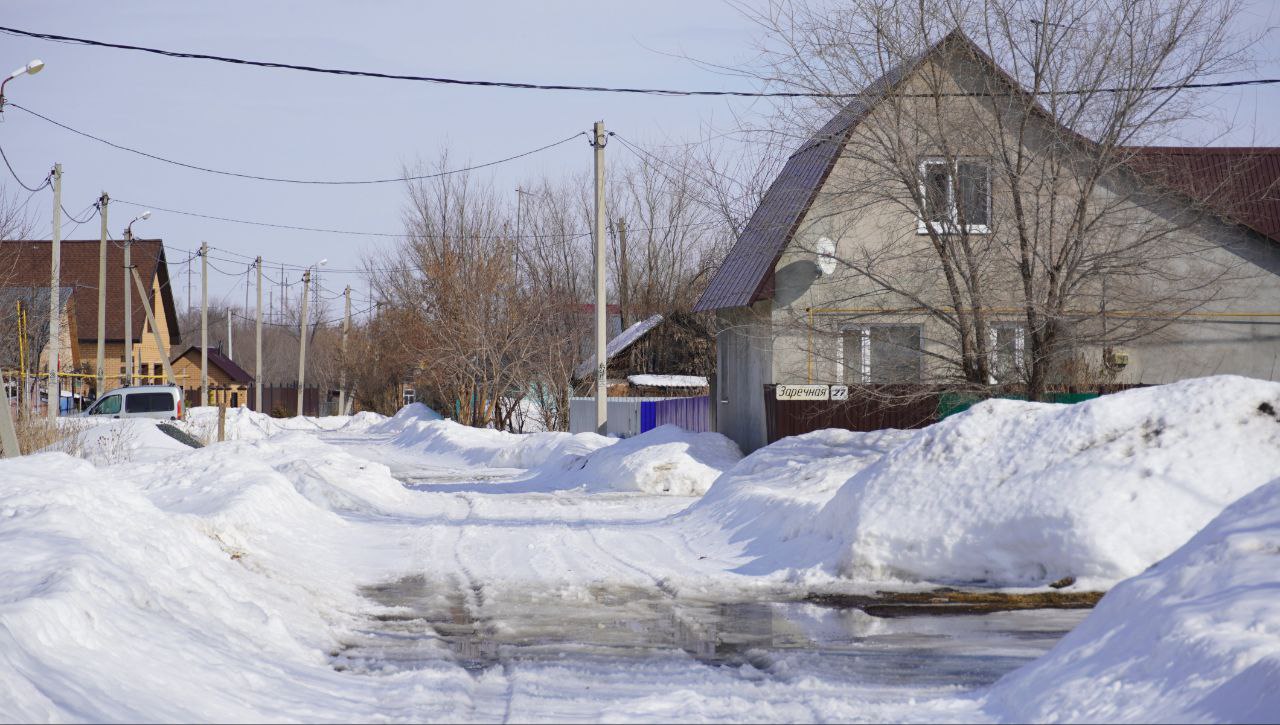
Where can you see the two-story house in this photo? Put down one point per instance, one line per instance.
(944, 230)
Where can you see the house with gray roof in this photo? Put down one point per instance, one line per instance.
(828, 283)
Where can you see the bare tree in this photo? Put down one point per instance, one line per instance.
(994, 150)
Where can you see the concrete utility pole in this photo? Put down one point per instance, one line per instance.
(602, 307)
(302, 339)
(102, 293)
(204, 323)
(230, 347)
(54, 395)
(257, 343)
(128, 306)
(342, 371)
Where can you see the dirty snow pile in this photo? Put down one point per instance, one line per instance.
(1196, 638)
(1007, 493)
(666, 459)
(216, 581)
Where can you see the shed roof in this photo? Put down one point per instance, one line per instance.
(27, 263)
(224, 363)
(617, 345)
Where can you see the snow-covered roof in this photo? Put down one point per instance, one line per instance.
(623, 341)
(668, 381)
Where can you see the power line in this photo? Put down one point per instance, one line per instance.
(286, 180)
(14, 174)
(347, 232)
(569, 87)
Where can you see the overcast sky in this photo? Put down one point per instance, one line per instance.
(287, 123)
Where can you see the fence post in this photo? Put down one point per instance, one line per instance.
(222, 421)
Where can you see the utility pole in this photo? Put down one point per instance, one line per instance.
(342, 371)
(624, 291)
(102, 293)
(204, 323)
(128, 305)
(155, 331)
(302, 339)
(257, 343)
(55, 334)
(598, 140)
(230, 347)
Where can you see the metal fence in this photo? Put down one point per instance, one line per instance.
(633, 416)
(692, 414)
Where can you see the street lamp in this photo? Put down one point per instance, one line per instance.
(128, 306)
(302, 334)
(31, 69)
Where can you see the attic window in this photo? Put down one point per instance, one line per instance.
(955, 197)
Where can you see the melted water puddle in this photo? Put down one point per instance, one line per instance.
(430, 622)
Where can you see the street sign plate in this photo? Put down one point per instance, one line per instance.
(802, 392)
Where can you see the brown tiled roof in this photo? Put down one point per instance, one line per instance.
(226, 364)
(1241, 183)
(26, 263)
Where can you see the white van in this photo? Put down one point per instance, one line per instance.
(140, 401)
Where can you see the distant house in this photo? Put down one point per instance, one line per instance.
(27, 264)
(228, 382)
(662, 355)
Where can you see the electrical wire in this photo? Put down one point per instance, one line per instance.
(33, 189)
(285, 180)
(569, 87)
(292, 227)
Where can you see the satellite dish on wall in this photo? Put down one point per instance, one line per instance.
(826, 256)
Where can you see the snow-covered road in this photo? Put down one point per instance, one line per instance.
(565, 605)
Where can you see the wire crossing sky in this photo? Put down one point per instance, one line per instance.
(185, 137)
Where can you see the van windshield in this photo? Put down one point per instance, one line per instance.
(109, 405)
(148, 403)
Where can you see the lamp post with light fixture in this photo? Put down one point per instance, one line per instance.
(29, 69)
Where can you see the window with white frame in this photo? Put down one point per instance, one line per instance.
(955, 196)
(409, 394)
(873, 354)
(1008, 348)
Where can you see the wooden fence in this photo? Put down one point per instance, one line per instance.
(277, 399)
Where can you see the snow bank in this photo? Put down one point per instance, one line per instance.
(183, 572)
(666, 459)
(244, 424)
(1009, 493)
(770, 498)
(1196, 638)
(458, 444)
(112, 441)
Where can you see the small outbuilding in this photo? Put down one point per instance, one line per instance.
(662, 355)
(229, 383)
